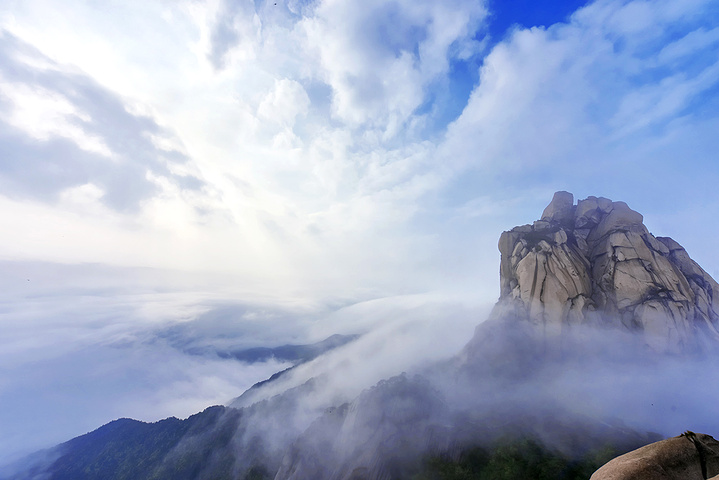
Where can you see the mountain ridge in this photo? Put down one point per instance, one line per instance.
(578, 288)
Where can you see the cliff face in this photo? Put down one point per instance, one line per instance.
(596, 263)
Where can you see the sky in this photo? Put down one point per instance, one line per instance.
(261, 173)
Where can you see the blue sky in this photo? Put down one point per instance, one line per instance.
(162, 160)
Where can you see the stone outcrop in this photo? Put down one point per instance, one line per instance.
(690, 456)
(596, 263)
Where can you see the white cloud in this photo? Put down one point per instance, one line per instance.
(284, 103)
(309, 141)
(44, 114)
(261, 118)
(402, 333)
(688, 45)
(81, 345)
(381, 57)
(564, 97)
(86, 195)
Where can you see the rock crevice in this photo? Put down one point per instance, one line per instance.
(596, 263)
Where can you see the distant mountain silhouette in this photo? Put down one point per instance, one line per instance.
(289, 353)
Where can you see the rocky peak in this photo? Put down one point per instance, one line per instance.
(561, 209)
(596, 263)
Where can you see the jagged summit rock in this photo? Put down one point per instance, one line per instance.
(560, 209)
(596, 263)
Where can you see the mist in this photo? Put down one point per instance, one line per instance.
(445, 370)
(603, 386)
(82, 345)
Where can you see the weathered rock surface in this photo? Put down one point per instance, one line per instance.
(690, 456)
(596, 263)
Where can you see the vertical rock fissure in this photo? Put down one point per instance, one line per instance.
(599, 251)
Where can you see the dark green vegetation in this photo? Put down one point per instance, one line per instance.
(126, 449)
(202, 447)
(513, 460)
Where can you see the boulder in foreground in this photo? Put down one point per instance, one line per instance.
(690, 456)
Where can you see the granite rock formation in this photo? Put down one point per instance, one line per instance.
(596, 263)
